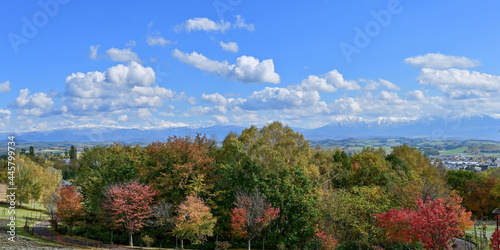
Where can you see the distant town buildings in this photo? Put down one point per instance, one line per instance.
(458, 162)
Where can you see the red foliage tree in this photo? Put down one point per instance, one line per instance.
(432, 223)
(495, 240)
(128, 205)
(327, 241)
(251, 215)
(69, 206)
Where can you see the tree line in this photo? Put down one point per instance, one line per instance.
(263, 187)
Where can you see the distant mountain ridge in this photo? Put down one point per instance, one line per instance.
(478, 127)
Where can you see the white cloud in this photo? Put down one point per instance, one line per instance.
(215, 98)
(249, 69)
(5, 87)
(201, 62)
(246, 69)
(440, 61)
(4, 114)
(313, 82)
(416, 95)
(230, 46)
(373, 85)
(183, 97)
(38, 104)
(131, 43)
(203, 23)
(93, 52)
(156, 39)
(459, 83)
(336, 79)
(388, 96)
(388, 84)
(123, 118)
(280, 98)
(240, 23)
(221, 119)
(122, 55)
(121, 87)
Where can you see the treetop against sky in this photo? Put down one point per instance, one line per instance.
(190, 63)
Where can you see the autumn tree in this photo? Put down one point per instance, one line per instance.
(495, 240)
(178, 166)
(193, 221)
(69, 206)
(276, 146)
(480, 197)
(29, 180)
(101, 167)
(432, 223)
(429, 180)
(128, 206)
(251, 215)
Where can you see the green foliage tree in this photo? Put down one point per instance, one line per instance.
(32, 152)
(276, 147)
(102, 167)
(72, 152)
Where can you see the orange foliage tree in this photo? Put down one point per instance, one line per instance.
(480, 198)
(193, 221)
(172, 166)
(128, 205)
(69, 206)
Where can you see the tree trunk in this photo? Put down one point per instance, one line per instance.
(131, 240)
(249, 244)
(182, 243)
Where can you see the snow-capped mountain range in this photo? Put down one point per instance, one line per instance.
(432, 127)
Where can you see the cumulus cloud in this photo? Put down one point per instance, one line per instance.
(221, 119)
(280, 98)
(122, 55)
(416, 95)
(230, 46)
(203, 23)
(373, 85)
(155, 39)
(215, 98)
(5, 87)
(93, 51)
(183, 97)
(123, 118)
(246, 69)
(458, 83)
(440, 61)
(336, 79)
(120, 87)
(240, 23)
(313, 82)
(38, 104)
(4, 114)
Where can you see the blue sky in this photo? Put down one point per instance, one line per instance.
(153, 64)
